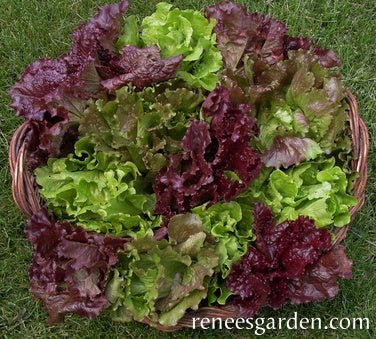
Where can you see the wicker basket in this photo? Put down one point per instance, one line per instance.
(27, 198)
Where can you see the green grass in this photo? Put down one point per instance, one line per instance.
(33, 29)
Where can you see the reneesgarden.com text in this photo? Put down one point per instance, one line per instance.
(261, 325)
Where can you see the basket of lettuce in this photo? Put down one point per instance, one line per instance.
(191, 164)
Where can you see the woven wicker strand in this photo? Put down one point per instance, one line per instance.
(27, 198)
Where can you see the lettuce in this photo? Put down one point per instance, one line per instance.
(69, 266)
(188, 33)
(98, 192)
(299, 105)
(319, 94)
(298, 100)
(240, 33)
(217, 162)
(243, 34)
(162, 279)
(50, 91)
(161, 136)
(139, 66)
(144, 126)
(230, 225)
(315, 189)
(291, 260)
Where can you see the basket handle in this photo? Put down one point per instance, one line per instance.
(24, 187)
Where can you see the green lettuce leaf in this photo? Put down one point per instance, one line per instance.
(300, 107)
(98, 192)
(315, 189)
(144, 126)
(130, 33)
(187, 33)
(162, 279)
(229, 223)
(319, 94)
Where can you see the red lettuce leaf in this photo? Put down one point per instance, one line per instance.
(232, 128)
(213, 155)
(140, 66)
(295, 43)
(40, 85)
(90, 39)
(319, 281)
(45, 81)
(188, 180)
(292, 260)
(240, 33)
(327, 57)
(69, 266)
(51, 89)
(47, 139)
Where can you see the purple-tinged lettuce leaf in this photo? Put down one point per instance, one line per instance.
(252, 81)
(41, 146)
(295, 43)
(287, 151)
(50, 91)
(90, 40)
(240, 33)
(40, 85)
(302, 115)
(232, 129)
(230, 31)
(141, 67)
(69, 266)
(144, 126)
(45, 81)
(319, 94)
(327, 57)
(185, 181)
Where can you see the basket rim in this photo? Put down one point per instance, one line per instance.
(28, 201)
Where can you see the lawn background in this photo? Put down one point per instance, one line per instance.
(31, 29)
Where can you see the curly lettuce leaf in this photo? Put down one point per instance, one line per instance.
(315, 189)
(98, 192)
(319, 94)
(265, 68)
(287, 151)
(299, 105)
(144, 126)
(162, 279)
(230, 224)
(218, 162)
(242, 34)
(319, 281)
(187, 33)
(292, 260)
